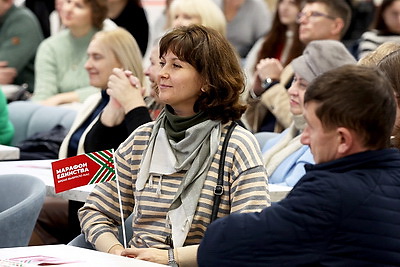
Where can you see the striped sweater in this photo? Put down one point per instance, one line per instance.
(245, 190)
(370, 40)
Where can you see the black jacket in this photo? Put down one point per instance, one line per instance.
(341, 213)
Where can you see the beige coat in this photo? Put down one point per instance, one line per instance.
(274, 100)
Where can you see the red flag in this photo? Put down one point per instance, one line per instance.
(91, 168)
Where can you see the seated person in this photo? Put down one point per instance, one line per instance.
(60, 76)
(107, 50)
(343, 211)
(168, 168)
(20, 36)
(385, 28)
(267, 98)
(284, 156)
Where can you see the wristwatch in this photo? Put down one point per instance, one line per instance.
(171, 258)
(268, 83)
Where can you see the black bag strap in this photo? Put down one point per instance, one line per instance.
(219, 188)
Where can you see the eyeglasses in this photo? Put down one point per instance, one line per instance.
(312, 14)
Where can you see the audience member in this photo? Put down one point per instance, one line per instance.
(390, 66)
(248, 21)
(60, 74)
(276, 46)
(20, 36)
(206, 13)
(341, 212)
(319, 20)
(131, 15)
(6, 127)
(385, 28)
(107, 50)
(284, 156)
(171, 201)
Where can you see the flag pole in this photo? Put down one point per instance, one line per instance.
(120, 203)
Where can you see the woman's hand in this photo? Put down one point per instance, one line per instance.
(147, 254)
(125, 95)
(126, 89)
(116, 250)
(269, 68)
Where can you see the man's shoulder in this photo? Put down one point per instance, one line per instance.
(22, 15)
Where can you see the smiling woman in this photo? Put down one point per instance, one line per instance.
(107, 50)
(167, 169)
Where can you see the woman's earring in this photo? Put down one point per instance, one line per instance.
(202, 89)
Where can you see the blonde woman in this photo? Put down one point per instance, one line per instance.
(107, 50)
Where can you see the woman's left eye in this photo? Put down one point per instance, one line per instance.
(177, 66)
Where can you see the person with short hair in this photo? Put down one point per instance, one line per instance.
(168, 169)
(343, 211)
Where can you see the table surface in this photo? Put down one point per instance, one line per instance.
(42, 170)
(71, 256)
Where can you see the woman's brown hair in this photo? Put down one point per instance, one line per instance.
(214, 58)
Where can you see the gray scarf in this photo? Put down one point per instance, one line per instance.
(193, 154)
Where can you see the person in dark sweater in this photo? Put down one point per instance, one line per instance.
(343, 211)
(131, 15)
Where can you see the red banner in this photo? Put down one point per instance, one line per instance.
(91, 168)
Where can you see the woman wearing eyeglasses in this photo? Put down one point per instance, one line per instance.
(385, 28)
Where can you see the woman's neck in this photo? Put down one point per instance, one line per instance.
(80, 31)
(115, 9)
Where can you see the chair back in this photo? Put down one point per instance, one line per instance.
(21, 199)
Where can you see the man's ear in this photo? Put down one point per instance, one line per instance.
(337, 27)
(346, 140)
